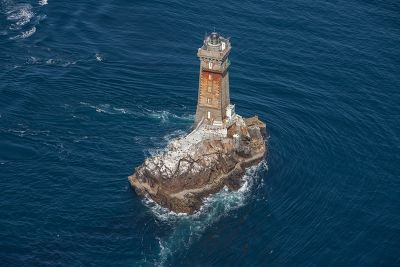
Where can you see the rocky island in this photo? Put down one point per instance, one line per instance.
(216, 153)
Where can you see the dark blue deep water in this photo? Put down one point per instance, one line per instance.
(88, 89)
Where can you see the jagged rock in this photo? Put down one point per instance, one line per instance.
(200, 164)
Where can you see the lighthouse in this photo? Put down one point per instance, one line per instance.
(215, 154)
(213, 104)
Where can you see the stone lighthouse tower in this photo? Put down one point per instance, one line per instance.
(213, 105)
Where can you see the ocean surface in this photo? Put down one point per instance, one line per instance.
(88, 89)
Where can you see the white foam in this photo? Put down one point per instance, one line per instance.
(163, 115)
(57, 62)
(98, 57)
(166, 116)
(42, 2)
(121, 110)
(33, 60)
(20, 15)
(188, 228)
(106, 108)
(174, 135)
(28, 33)
(25, 34)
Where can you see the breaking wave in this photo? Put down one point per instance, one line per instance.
(187, 229)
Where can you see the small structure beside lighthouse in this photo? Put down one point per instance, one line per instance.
(213, 104)
(216, 153)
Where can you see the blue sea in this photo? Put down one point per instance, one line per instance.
(89, 89)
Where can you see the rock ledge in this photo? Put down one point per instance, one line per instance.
(201, 163)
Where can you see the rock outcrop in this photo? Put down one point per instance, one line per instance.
(200, 164)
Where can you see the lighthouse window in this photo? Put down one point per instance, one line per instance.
(208, 100)
(210, 65)
(209, 77)
(209, 88)
(209, 115)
